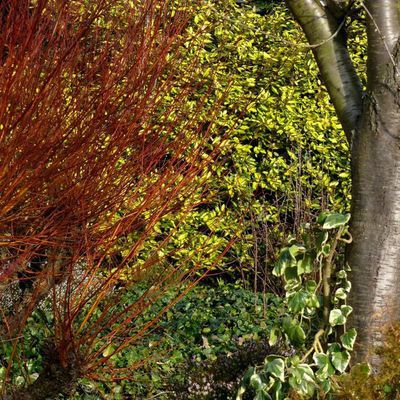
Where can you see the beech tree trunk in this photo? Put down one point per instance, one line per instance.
(371, 121)
(374, 254)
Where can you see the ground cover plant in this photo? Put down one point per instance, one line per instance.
(213, 332)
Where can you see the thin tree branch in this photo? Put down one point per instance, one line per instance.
(313, 46)
(332, 56)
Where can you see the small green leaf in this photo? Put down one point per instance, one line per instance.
(326, 249)
(322, 217)
(340, 294)
(292, 286)
(305, 265)
(303, 380)
(287, 324)
(294, 331)
(340, 360)
(342, 274)
(336, 317)
(256, 382)
(108, 350)
(313, 301)
(296, 249)
(295, 361)
(360, 371)
(299, 334)
(347, 286)
(274, 336)
(346, 310)
(276, 367)
(326, 386)
(285, 260)
(306, 372)
(311, 286)
(335, 220)
(248, 374)
(321, 359)
(297, 301)
(348, 339)
(291, 273)
(19, 380)
(334, 347)
(387, 388)
(325, 367)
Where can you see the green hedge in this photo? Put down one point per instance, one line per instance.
(284, 157)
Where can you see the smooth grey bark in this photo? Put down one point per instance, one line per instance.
(375, 252)
(374, 255)
(383, 21)
(374, 121)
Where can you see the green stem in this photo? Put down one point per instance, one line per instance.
(316, 345)
(326, 277)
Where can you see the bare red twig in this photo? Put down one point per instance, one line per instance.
(99, 138)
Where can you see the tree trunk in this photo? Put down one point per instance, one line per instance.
(375, 252)
(373, 129)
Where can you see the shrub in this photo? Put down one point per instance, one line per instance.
(277, 171)
(98, 140)
(211, 332)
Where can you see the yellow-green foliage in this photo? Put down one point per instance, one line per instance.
(284, 155)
